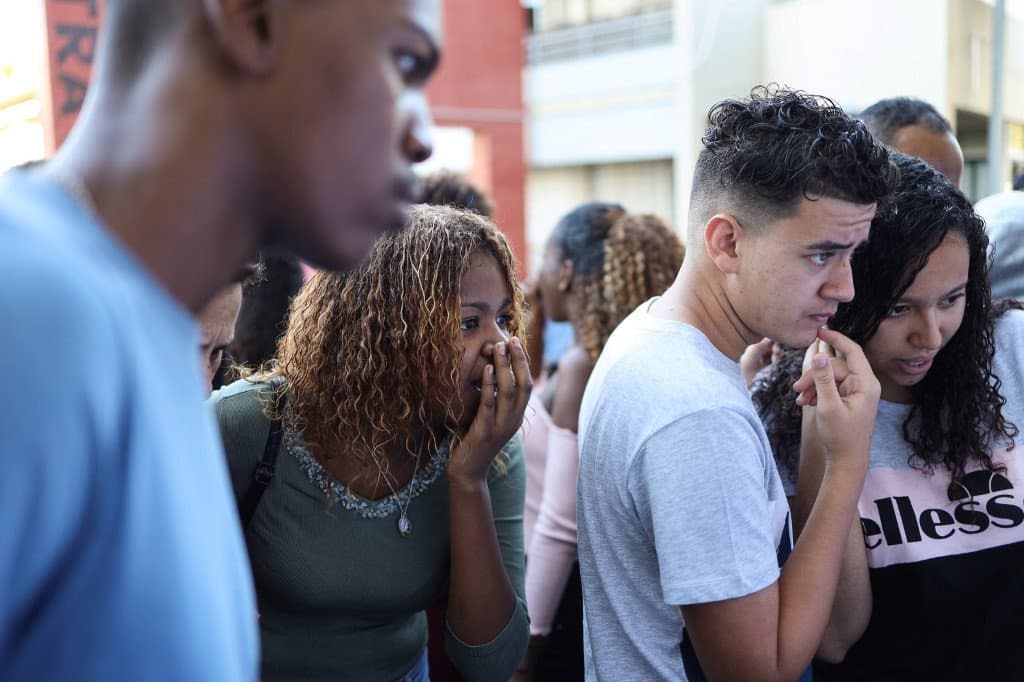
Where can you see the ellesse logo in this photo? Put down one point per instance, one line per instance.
(984, 503)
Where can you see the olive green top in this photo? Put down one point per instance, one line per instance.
(341, 593)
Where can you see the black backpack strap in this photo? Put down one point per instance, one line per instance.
(263, 474)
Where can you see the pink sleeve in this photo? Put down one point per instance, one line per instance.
(552, 550)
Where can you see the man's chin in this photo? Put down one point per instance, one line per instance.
(795, 338)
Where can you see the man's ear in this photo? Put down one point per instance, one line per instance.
(247, 32)
(722, 233)
(565, 275)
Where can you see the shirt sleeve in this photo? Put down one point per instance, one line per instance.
(244, 429)
(497, 659)
(553, 549)
(700, 491)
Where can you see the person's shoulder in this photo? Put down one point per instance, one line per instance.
(574, 370)
(51, 309)
(1003, 208)
(1009, 343)
(1011, 321)
(714, 422)
(244, 389)
(241, 412)
(66, 360)
(244, 400)
(576, 360)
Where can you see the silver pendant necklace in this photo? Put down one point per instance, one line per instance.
(404, 524)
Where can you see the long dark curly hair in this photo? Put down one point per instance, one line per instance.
(372, 357)
(957, 408)
(619, 261)
(762, 154)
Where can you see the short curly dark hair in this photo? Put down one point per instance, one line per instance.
(957, 413)
(764, 153)
(886, 117)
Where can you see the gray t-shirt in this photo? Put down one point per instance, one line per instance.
(680, 501)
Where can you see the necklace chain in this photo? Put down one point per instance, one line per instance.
(404, 524)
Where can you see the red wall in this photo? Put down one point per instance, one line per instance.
(71, 27)
(479, 86)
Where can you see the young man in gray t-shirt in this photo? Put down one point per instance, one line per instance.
(682, 520)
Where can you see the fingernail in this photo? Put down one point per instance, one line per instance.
(820, 361)
(502, 349)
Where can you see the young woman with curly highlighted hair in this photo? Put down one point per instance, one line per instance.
(400, 387)
(600, 263)
(940, 536)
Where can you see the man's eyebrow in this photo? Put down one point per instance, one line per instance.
(829, 245)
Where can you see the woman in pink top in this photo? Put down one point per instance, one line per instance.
(599, 264)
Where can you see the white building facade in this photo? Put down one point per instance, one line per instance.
(617, 91)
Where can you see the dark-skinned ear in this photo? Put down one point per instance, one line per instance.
(247, 32)
(722, 233)
(565, 275)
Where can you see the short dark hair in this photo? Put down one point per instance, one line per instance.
(445, 188)
(764, 153)
(264, 312)
(250, 275)
(887, 117)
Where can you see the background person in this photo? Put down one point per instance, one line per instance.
(399, 390)
(942, 454)
(1003, 214)
(218, 320)
(599, 264)
(915, 127)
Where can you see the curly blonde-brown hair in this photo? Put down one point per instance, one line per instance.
(371, 358)
(619, 261)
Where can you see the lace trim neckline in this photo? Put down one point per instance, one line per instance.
(368, 509)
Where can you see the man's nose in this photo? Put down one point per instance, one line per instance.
(418, 144)
(840, 284)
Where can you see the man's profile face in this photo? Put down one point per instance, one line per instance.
(795, 273)
(941, 151)
(344, 120)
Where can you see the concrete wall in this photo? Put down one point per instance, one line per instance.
(858, 53)
(603, 109)
(970, 60)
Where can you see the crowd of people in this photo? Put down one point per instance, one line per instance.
(282, 411)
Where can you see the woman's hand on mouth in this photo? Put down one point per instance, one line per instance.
(504, 392)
